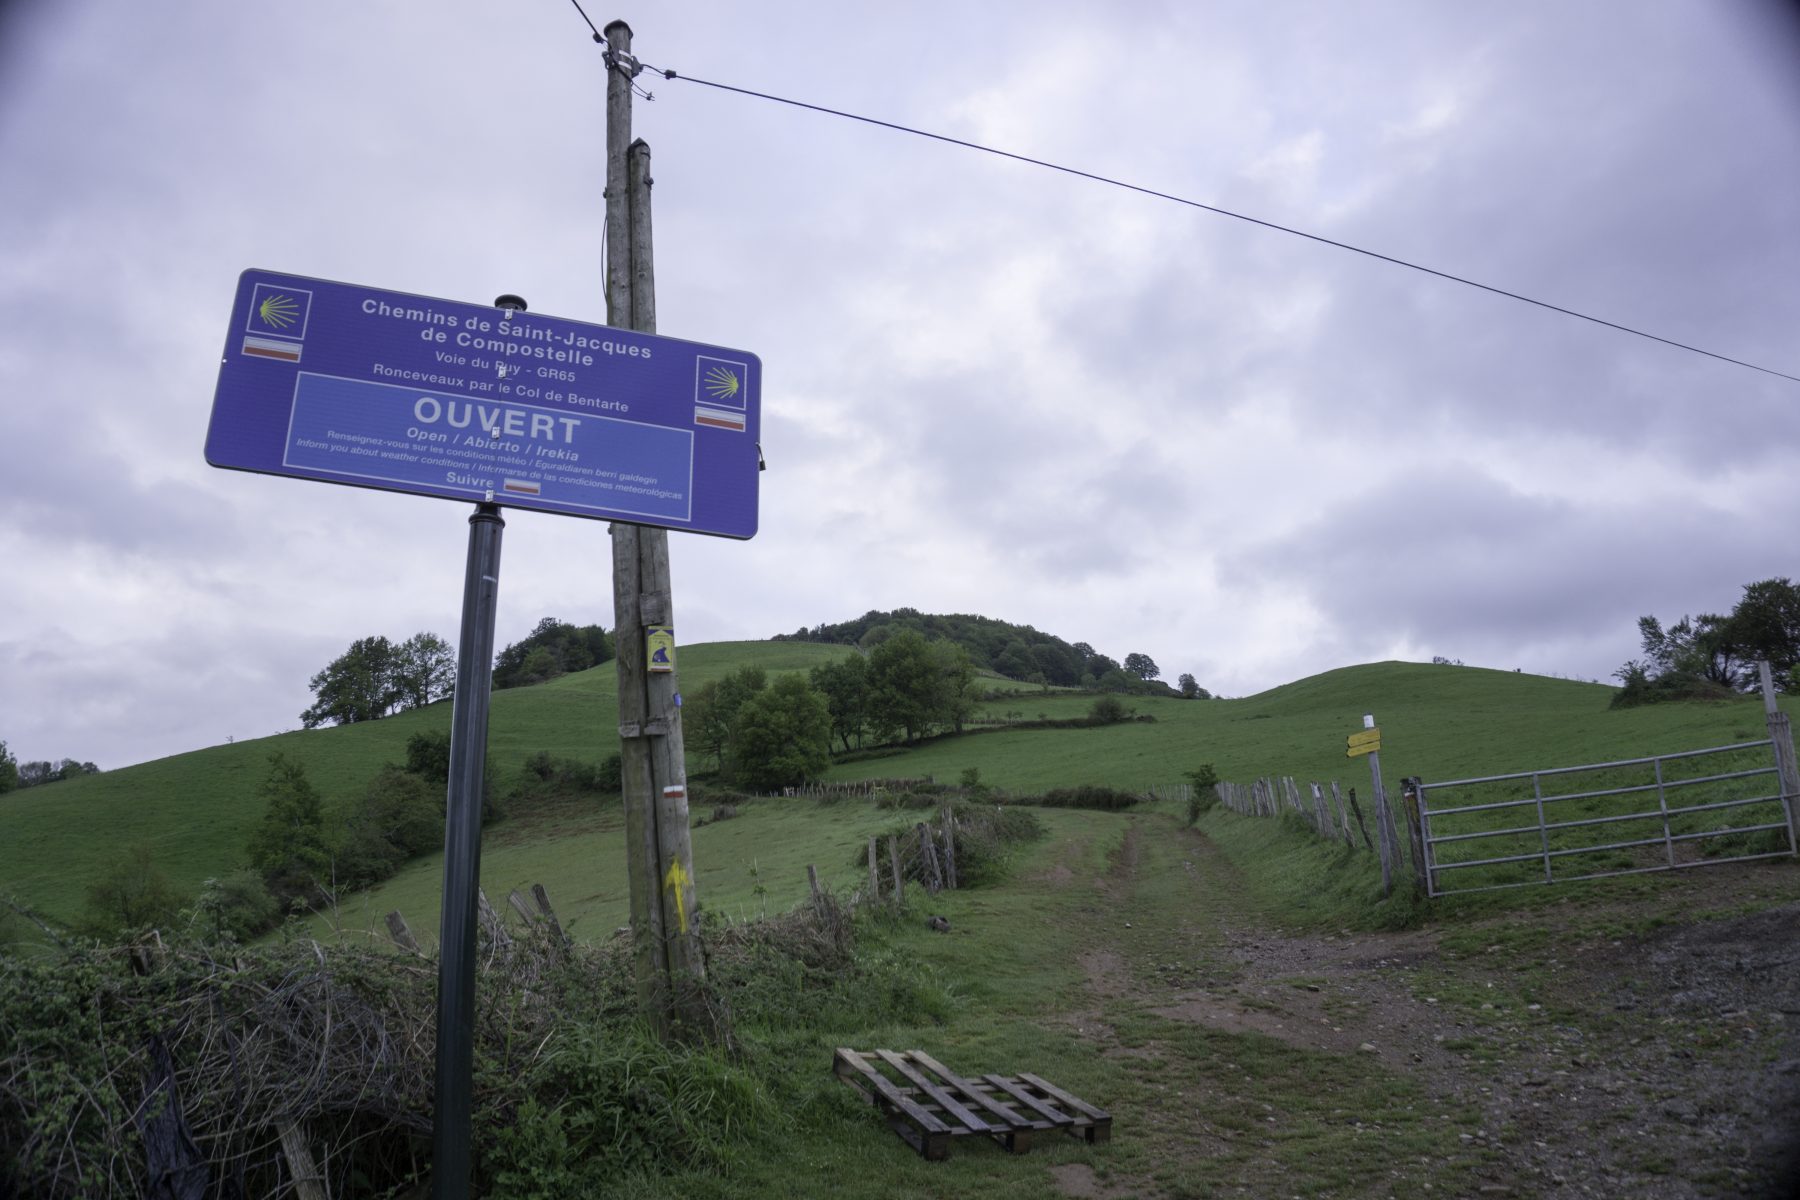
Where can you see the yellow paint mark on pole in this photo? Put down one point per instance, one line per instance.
(677, 879)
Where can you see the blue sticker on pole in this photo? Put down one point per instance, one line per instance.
(353, 385)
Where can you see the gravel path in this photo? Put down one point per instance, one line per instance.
(1660, 1063)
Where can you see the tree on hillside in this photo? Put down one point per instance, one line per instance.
(1057, 663)
(551, 649)
(709, 718)
(288, 845)
(781, 736)
(358, 685)
(1765, 624)
(1097, 667)
(1142, 666)
(399, 815)
(903, 685)
(9, 770)
(1710, 651)
(375, 677)
(1693, 647)
(954, 697)
(424, 670)
(1191, 689)
(1015, 661)
(844, 684)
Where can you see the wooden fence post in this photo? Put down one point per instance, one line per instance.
(1343, 815)
(1360, 823)
(949, 826)
(403, 936)
(543, 902)
(934, 880)
(491, 924)
(1415, 831)
(894, 863)
(306, 1176)
(1781, 734)
(874, 876)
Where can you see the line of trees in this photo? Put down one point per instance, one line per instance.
(551, 649)
(1714, 653)
(1016, 651)
(376, 677)
(764, 736)
(15, 774)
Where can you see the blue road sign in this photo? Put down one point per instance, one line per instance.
(349, 384)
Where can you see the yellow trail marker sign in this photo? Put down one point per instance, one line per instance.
(1366, 741)
(677, 879)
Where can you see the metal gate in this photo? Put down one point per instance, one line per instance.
(1696, 808)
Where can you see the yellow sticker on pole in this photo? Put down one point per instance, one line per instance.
(659, 649)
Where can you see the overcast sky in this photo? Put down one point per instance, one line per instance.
(987, 387)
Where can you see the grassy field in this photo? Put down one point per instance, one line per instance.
(1256, 1017)
(195, 811)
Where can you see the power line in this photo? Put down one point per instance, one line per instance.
(1183, 200)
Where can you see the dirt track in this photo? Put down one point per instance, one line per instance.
(1597, 1061)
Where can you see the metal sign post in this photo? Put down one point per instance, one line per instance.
(453, 1087)
(347, 384)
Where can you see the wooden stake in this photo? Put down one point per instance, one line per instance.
(934, 881)
(300, 1161)
(491, 924)
(949, 824)
(874, 876)
(402, 935)
(894, 863)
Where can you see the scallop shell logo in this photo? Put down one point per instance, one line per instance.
(721, 383)
(277, 311)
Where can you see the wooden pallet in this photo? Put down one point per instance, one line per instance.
(928, 1104)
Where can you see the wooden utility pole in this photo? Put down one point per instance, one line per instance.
(669, 968)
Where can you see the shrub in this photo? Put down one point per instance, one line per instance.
(985, 834)
(1087, 795)
(131, 894)
(1640, 688)
(237, 906)
(398, 816)
(625, 1103)
(908, 799)
(428, 755)
(1201, 796)
(545, 774)
(1107, 710)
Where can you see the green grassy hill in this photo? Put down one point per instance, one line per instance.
(195, 811)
